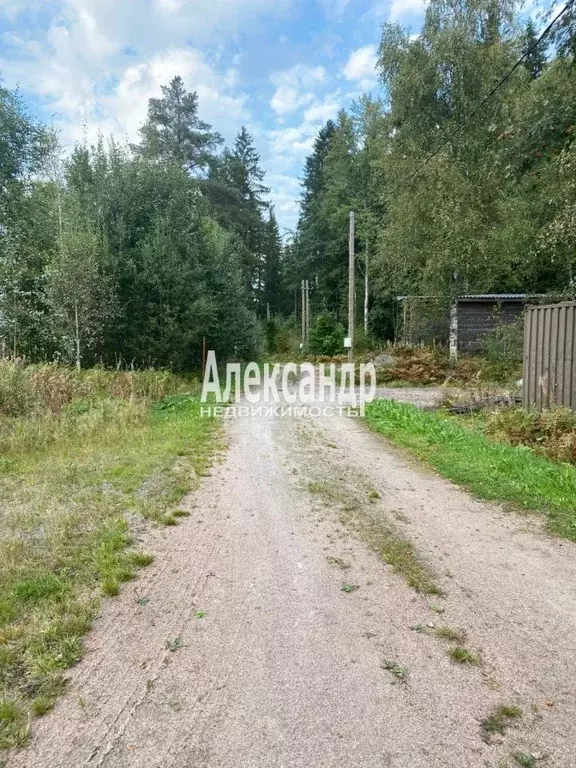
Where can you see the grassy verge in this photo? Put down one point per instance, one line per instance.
(491, 471)
(70, 485)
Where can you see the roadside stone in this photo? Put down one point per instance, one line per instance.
(384, 361)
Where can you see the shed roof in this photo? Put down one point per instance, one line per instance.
(482, 297)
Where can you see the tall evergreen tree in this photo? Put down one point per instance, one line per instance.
(310, 250)
(535, 60)
(272, 272)
(174, 132)
(237, 193)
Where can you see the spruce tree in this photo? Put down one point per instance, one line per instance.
(535, 60)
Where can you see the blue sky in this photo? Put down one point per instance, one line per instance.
(281, 67)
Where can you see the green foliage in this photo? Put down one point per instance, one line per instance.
(327, 336)
(134, 255)
(173, 132)
(549, 433)
(492, 211)
(505, 344)
(400, 673)
(500, 719)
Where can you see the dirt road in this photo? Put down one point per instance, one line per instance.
(240, 647)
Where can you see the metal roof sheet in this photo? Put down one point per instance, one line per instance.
(485, 296)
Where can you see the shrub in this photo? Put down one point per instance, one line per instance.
(505, 344)
(280, 337)
(27, 390)
(551, 433)
(327, 336)
(431, 365)
(421, 365)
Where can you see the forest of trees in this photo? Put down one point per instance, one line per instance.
(132, 254)
(493, 211)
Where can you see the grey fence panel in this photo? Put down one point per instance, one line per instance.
(550, 356)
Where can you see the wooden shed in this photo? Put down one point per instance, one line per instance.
(465, 324)
(479, 314)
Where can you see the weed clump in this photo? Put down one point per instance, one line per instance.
(549, 433)
(499, 720)
(452, 635)
(400, 673)
(463, 656)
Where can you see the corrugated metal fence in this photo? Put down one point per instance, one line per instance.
(550, 356)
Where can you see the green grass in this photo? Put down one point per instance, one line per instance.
(66, 503)
(500, 719)
(491, 471)
(523, 759)
(463, 656)
(400, 673)
(450, 634)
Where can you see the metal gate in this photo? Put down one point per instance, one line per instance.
(550, 356)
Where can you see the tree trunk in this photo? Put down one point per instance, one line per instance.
(77, 335)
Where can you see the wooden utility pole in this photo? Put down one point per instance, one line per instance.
(351, 289)
(307, 287)
(303, 314)
(366, 290)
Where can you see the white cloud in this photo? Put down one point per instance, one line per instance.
(294, 87)
(335, 8)
(395, 10)
(288, 99)
(286, 191)
(99, 61)
(290, 144)
(401, 8)
(128, 103)
(323, 110)
(361, 66)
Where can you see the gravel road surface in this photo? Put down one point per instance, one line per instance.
(239, 647)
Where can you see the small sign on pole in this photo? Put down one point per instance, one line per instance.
(347, 343)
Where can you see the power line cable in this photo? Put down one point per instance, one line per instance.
(487, 98)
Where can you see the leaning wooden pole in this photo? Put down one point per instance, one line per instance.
(307, 313)
(366, 291)
(351, 288)
(303, 314)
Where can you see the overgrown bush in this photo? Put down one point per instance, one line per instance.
(431, 365)
(363, 342)
(327, 336)
(505, 344)
(33, 389)
(280, 337)
(419, 365)
(551, 433)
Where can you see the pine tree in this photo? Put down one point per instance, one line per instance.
(174, 132)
